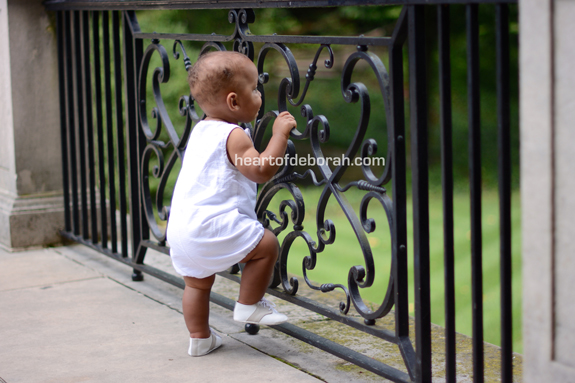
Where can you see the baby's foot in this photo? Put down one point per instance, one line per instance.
(263, 312)
(203, 346)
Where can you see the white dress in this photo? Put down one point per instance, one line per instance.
(212, 223)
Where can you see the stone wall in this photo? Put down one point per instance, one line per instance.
(547, 185)
(31, 203)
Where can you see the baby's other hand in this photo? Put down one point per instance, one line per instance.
(283, 124)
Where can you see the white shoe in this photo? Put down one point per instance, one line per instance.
(203, 346)
(263, 312)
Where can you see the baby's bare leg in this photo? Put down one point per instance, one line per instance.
(258, 269)
(196, 305)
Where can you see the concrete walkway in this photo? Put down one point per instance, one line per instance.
(69, 314)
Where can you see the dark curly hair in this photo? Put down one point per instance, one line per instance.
(213, 73)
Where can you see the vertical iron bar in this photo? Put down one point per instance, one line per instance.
(120, 131)
(418, 120)
(80, 122)
(399, 189)
(88, 122)
(399, 229)
(133, 52)
(70, 53)
(473, 94)
(443, 21)
(61, 29)
(110, 131)
(81, 125)
(100, 128)
(504, 165)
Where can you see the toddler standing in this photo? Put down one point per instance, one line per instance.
(212, 223)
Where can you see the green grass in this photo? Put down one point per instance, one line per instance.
(334, 262)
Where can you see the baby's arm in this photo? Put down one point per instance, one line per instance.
(258, 167)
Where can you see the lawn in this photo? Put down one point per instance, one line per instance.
(334, 262)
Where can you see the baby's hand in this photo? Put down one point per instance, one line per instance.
(283, 124)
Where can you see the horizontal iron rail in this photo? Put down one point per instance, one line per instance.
(308, 337)
(283, 39)
(63, 5)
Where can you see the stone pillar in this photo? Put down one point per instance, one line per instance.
(31, 203)
(548, 188)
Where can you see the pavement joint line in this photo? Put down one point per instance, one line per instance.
(48, 285)
(145, 295)
(79, 263)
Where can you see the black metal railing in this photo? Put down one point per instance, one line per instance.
(116, 200)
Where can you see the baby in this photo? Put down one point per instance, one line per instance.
(212, 223)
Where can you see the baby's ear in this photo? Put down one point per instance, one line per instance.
(232, 101)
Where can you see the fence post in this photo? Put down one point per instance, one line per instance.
(418, 109)
(132, 56)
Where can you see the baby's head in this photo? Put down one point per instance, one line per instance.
(225, 82)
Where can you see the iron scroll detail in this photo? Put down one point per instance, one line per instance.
(155, 147)
(316, 131)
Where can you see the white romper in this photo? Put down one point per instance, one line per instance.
(212, 223)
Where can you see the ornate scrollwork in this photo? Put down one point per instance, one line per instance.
(155, 147)
(311, 72)
(317, 130)
(242, 18)
(356, 275)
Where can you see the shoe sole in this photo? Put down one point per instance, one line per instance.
(215, 348)
(260, 323)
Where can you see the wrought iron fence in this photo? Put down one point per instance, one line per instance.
(108, 143)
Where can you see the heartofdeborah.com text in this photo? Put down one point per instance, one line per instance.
(310, 161)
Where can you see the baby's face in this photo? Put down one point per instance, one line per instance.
(249, 97)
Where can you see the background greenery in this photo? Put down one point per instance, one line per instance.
(326, 98)
(334, 263)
